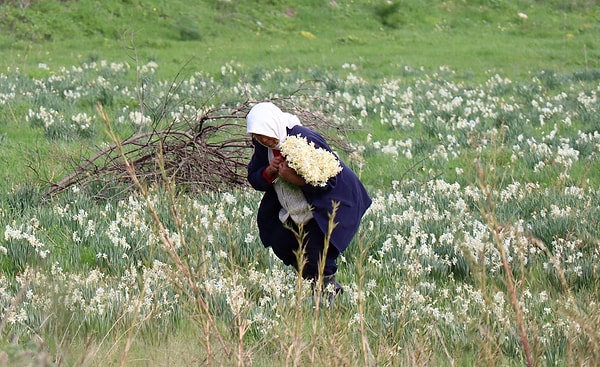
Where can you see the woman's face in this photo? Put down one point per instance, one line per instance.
(267, 141)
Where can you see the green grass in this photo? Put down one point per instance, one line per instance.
(470, 37)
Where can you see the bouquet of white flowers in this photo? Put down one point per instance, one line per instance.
(315, 165)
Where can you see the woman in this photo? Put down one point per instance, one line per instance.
(306, 208)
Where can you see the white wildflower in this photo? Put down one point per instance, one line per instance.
(315, 165)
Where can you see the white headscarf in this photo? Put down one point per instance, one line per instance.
(267, 119)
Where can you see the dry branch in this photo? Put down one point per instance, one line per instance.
(210, 152)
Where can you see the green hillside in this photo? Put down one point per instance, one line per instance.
(512, 37)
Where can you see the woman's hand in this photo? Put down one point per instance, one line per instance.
(273, 167)
(289, 174)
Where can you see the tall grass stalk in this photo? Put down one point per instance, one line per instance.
(242, 325)
(488, 213)
(368, 358)
(295, 347)
(320, 279)
(92, 355)
(202, 305)
(133, 330)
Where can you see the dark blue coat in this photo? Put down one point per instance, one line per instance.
(344, 188)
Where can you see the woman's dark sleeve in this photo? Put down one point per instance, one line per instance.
(257, 165)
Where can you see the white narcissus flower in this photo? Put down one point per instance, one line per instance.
(315, 165)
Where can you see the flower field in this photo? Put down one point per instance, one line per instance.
(482, 246)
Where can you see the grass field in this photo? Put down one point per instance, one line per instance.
(512, 38)
(473, 124)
